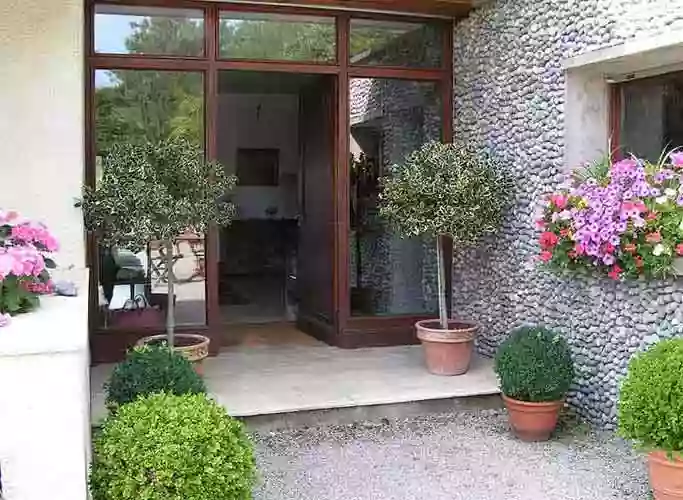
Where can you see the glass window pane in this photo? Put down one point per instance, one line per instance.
(134, 106)
(389, 119)
(651, 116)
(277, 37)
(389, 43)
(124, 29)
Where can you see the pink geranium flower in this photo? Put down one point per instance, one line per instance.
(548, 240)
(545, 255)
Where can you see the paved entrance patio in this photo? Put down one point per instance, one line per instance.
(258, 377)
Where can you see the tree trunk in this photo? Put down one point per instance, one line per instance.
(170, 312)
(441, 282)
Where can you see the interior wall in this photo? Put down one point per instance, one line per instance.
(261, 121)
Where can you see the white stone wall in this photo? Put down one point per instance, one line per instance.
(45, 402)
(41, 116)
(513, 95)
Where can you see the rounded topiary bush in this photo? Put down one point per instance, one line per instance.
(535, 365)
(150, 369)
(166, 447)
(650, 409)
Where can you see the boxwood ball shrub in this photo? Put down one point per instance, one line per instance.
(167, 447)
(150, 369)
(534, 364)
(650, 409)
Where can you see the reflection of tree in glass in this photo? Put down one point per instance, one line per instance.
(288, 41)
(148, 106)
(167, 35)
(141, 105)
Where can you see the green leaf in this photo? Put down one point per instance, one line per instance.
(650, 409)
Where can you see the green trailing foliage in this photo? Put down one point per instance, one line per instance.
(534, 364)
(650, 409)
(148, 370)
(446, 189)
(15, 295)
(166, 447)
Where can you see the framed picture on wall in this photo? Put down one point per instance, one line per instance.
(258, 167)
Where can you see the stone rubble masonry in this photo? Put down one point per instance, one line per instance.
(510, 97)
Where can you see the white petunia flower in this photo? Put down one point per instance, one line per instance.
(661, 200)
(658, 250)
(671, 193)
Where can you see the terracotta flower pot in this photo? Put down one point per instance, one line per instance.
(194, 347)
(447, 352)
(532, 421)
(666, 476)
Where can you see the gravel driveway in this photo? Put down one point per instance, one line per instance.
(445, 457)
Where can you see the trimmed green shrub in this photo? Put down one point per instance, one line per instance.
(535, 365)
(650, 409)
(150, 369)
(166, 447)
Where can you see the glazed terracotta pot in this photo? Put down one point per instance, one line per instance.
(532, 421)
(666, 476)
(194, 347)
(447, 352)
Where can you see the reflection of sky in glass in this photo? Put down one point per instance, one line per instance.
(111, 32)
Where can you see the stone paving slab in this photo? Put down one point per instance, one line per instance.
(268, 380)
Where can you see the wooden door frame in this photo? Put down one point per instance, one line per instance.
(347, 331)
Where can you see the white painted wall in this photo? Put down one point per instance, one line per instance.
(586, 125)
(587, 91)
(45, 403)
(41, 116)
(261, 121)
(44, 360)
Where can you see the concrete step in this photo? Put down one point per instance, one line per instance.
(370, 413)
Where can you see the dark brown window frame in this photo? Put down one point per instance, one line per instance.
(346, 331)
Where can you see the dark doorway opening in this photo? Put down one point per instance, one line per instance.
(275, 132)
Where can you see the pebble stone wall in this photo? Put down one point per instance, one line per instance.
(509, 96)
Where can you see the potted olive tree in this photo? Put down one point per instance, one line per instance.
(153, 192)
(649, 412)
(445, 191)
(535, 369)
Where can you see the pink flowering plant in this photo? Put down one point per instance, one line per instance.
(25, 256)
(624, 219)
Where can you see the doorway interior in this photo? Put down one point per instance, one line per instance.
(275, 134)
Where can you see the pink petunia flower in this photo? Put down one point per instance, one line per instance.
(677, 158)
(559, 200)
